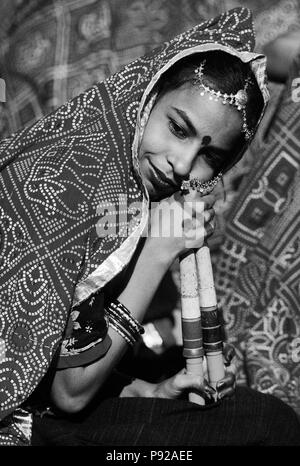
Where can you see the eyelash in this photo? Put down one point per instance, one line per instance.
(177, 130)
(212, 159)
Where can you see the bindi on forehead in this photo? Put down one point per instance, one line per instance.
(206, 140)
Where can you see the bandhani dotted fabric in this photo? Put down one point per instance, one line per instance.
(55, 175)
(53, 50)
(257, 273)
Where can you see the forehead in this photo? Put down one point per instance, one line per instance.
(222, 122)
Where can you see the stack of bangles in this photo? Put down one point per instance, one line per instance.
(121, 320)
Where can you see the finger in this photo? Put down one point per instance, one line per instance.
(228, 353)
(194, 196)
(231, 369)
(195, 233)
(183, 381)
(199, 211)
(207, 392)
(208, 200)
(209, 229)
(211, 224)
(209, 215)
(193, 229)
(227, 381)
(226, 393)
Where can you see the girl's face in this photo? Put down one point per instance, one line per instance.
(186, 133)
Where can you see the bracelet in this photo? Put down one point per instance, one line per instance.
(121, 320)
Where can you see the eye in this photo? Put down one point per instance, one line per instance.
(177, 130)
(212, 159)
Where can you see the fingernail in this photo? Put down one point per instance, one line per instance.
(210, 387)
(209, 398)
(230, 354)
(210, 390)
(220, 385)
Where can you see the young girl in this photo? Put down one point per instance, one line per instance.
(79, 269)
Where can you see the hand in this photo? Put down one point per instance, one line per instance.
(171, 388)
(182, 383)
(226, 386)
(180, 223)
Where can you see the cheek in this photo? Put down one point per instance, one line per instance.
(155, 137)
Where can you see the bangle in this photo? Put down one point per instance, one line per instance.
(121, 320)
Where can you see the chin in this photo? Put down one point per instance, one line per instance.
(154, 196)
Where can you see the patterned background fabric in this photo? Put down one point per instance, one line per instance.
(257, 273)
(56, 49)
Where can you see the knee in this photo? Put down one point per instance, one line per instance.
(281, 421)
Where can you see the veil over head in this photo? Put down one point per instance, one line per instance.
(68, 178)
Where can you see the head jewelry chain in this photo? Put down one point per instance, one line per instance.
(239, 100)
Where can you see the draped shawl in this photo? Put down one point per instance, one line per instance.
(55, 175)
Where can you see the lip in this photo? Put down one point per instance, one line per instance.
(161, 178)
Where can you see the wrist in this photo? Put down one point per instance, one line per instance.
(138, 388)
(162, 390)
(159, 252)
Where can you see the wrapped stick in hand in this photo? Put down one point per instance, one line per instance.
(201, 329)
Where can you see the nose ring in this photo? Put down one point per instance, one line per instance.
(202, 187)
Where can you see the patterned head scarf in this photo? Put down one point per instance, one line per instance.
(60, 178)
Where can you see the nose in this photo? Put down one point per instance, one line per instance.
(182, 161)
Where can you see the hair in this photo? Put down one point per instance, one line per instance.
(222, 72)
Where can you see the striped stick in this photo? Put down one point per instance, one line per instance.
(211, 326)
(191, 321)
(201, 329)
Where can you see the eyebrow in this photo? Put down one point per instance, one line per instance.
(186, 119)
(218, 150)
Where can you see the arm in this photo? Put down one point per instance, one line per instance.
(73, 388)
(174, 386)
